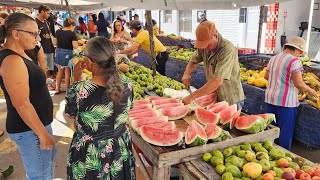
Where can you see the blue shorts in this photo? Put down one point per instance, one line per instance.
(39, 164)
(63, 56)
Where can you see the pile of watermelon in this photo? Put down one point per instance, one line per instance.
(206, 128)
(150, 118)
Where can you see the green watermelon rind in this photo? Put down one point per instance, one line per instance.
(198, 141)
(258, 126)
(216, 135)
(271, 118)
(223, 136)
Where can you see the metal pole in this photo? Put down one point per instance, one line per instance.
(309, 25)
(150, 30)
(159, 21)
(68, 8)
(260, 28)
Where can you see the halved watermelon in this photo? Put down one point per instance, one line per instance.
(204, 116)
(164, 101)
(136, 124)
(217, 104)
(142, 101)
(153, 113)
(250, 124)
(210, 97)
(165, 118)
(195, 134)
(140, 111)
(215, 133)
(142, 106)
(167, 105)
(219, 107)
(226, 114)
(175, 113)
(165, 125)
(160, 137)
(150, 98)
(268, 117)
(234, 119)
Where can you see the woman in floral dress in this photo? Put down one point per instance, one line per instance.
(101, 147)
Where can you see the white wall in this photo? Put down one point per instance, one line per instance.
(298, 11)
(316, 16)
(169, 28)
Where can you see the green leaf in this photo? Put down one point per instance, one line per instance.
(87, 86)
(92, 159)
(116, 167)
(96, 114)
(123, 149)
(78, 170)
(123, 117)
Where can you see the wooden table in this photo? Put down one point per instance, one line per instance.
(198, 169)
(164, 157)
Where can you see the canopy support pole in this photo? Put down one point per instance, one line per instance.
(260, 28)
(68, 8)
(150, 30)
(309, 25)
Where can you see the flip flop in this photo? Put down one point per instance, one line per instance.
(1, 133)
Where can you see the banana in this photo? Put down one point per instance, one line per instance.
(318, 103)
(313, 75)
(312, 103)
(302, 96)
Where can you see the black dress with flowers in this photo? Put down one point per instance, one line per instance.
(101, 147)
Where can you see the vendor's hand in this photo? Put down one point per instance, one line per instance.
(78, 70)
(313, 93)
(186, 80)
(187, 100)
(46, 141)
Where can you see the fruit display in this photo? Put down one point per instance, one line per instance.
(306, 61)
(181, 53)
(173, 36)
(259, 161)
(254, 77)
(142, 78)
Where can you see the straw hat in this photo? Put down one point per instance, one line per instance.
(298, 43)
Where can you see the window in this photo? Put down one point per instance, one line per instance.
(167, 16)
(243, 15)
(185, 23)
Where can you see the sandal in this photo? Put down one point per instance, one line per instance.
(1, 133)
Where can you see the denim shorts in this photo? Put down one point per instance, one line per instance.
(39, 164)
(63, 56)
(50, 61)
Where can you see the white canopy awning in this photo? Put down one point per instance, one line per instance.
(188, 4)
(75, 5)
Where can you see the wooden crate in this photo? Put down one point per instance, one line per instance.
(198, 169)
(164, 157)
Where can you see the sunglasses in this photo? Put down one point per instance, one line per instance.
(34, 34)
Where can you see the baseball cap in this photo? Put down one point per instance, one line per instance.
(298, 43)
(204, 33)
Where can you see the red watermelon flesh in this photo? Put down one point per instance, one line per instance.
(207, 98)
(153, 113)
(195, 134)
(204, 116)
(150, 98)
(161, 106)
(175, 113)
(160, 137)
(165, 125)
(164, 101)
(226, 114)
(234, 119)
(212, 130)
(140, 110)
(204, 103)
(217, 104)
(142, 106)
(136, 124)
(142, 101)
(165, 118)
(219, 108)
(250, 124)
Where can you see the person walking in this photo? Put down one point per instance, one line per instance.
(92, 27)
(142, 41)
(46, 37)
(120, 37)
(103, 25)
(284, 75)
(101, 146)
(29, 105)
(66, 41)
(221, 65)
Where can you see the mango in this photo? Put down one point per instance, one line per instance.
(245, 147)
(249, 155)
(227, 152)
(217, 153)
(252, 170)
(220, 169)
(240, 153)
(262, 155)
(235, 171)
(265, 165)
(227, 176)
(278, 171)
(260, 149)
(216, 161)
(276, 153)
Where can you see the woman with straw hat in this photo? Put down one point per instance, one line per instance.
(284, 75)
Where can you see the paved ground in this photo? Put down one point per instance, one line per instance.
(9, 154)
